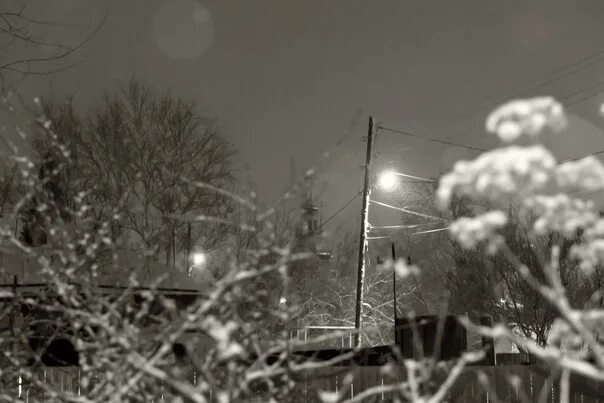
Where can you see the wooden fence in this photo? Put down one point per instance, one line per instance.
(533, 382)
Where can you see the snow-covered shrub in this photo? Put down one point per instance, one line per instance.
(557, 203)
(139, 330)
(135, 339)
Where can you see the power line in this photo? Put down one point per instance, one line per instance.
(492, 100)
(322, 162)
(405, 210)
(402, 226)
(473, 148)
(422, 182)
(543, 84)
(351, 126)
(409, 134)
(583, 59)
(566, 97)
(584, 156)
(430, 231)
(419, 179)
(563, 98)
(503, 99)
(341, 209)
(583, 99)
(589, 87)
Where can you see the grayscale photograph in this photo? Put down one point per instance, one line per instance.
(320, 201)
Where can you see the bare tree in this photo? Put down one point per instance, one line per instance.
(156, 157)
(482, 283)
(25, 48)
(9, 192)
(198, 347)
(140, 344)
(475, 283)
(330, 301)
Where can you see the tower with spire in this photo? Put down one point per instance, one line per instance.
(309, 229)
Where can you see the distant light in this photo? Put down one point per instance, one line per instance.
(324, 255)
(198, 258)
(282, 300)
(388, 181)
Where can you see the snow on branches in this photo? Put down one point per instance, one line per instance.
(528, 178)
(402, 267)
(470, 231)
(499, 174)
(584, 174)
(559, 214)
(526, 117)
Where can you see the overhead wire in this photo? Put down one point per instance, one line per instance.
(589, 87)
(419, 179)
(563, 98)
(398, 226)
(542, 84)
(341, 209)
(371, 238)
(547, 82)
(583, 99)
(474, 148)
(585, 156)
(325, 157)
(430, 231)
(407, 211)
(595, 54)
(533, 88)
(449, 143)
(351, 126)
(420, 182)
(468, 147)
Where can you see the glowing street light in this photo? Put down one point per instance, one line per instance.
(388, 181)
(197, 260)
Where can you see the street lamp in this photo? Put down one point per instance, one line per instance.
(388, 180)
(197, 260)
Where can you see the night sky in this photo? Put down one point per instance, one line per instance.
(288, 79)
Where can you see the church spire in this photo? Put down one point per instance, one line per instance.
(309, 233)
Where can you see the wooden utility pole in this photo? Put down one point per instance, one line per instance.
(173, 248)
(363, 238)
(394, 291)
(188, 257)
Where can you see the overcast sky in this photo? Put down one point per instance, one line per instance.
(290, 78)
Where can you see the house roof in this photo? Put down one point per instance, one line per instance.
(14, 262)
